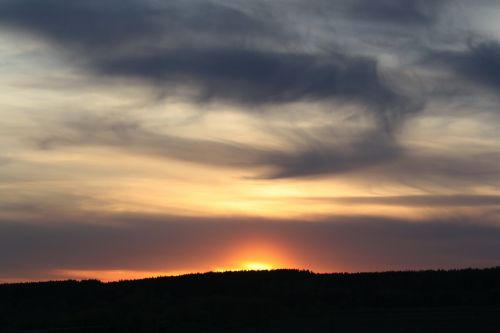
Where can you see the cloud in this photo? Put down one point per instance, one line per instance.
(253, 54)
(374, 154)
(479, 63)
(320, 157)
(113, 23)
(29, 202)
(110, 25)
(401, 12)
(169, 243)
(246, 54)
(129, 135)
(189, 45)
(4, 160)
(308, 157)
(253, 77)
(454, 200)
(448, 169)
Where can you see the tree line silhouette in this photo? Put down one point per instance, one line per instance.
(260, 301)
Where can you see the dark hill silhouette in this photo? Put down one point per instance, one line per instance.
(260, 301)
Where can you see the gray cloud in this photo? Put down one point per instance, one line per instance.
(452, 169)
(374, 153)
(169, 242)
(255, 77)
(189, 44)
(319, 157)
(112, 25)
(378, 157)
(130, 136)
(308, 157)
(479, 63)
(251, 77)
(456, 200)
(402, 12)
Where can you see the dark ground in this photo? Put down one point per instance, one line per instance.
(266, 301)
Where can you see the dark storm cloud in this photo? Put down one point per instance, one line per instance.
(172, 243)
(478, 63)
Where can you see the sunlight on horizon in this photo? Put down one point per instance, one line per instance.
(252, 255)
(258, 266)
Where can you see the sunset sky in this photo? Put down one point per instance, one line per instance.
(157, 137)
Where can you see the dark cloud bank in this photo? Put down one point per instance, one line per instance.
(174, 243)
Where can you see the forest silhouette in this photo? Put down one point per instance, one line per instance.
(260, 301)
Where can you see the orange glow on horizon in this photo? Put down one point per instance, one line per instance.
(114, 275)
(256, 255)
(252, 255)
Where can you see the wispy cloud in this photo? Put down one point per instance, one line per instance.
(173, 44)
(478, 63)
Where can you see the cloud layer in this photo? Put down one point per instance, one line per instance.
(156, 243)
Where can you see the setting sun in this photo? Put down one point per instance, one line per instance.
(257, 266)
(257, 255)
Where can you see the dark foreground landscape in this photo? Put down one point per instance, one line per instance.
(263, 301)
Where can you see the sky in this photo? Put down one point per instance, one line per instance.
(151, 137)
